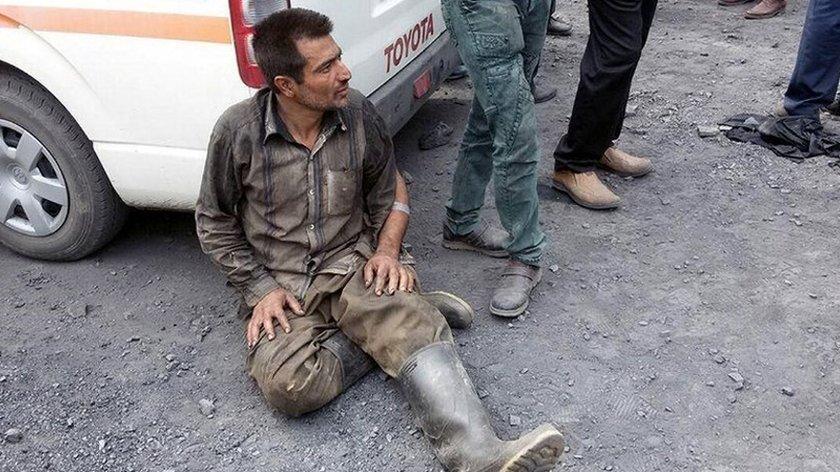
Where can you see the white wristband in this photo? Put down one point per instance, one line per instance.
(401, 207)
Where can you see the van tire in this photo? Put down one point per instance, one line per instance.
(95, 213)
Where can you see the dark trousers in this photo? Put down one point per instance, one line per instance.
(618, 30)
(814, 80)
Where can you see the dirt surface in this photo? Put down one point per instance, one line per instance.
(661, 339)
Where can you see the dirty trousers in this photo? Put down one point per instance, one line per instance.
(303, 370)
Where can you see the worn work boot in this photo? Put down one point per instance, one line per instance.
(585, 189)
(457, 312)
(486, 239)
(542, 92)
(626, 165)
(513, 295)
(455, 422)
(558, 26)
(766, 9)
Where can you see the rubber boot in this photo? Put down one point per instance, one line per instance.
(455, 422)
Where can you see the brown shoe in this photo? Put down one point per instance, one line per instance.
(586, 189)
(619, 162)
(766, 9)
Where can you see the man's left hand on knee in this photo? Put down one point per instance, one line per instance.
(385, 272)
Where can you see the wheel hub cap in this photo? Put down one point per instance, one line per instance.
(18, 175)
(33, 192)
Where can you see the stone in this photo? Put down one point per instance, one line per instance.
(707, 131)
(13, 435)
(788, 391)
(515, 420)
(207, 407)
(736, 377)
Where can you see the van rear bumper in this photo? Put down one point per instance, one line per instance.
(395, 99)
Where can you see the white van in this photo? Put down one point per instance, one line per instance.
(108, 103)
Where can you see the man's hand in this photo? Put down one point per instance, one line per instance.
(383, 270)
(272, 306)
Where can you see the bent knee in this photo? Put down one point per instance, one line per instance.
(296, 395)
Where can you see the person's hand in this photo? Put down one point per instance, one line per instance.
(272, 306)
(384, 271)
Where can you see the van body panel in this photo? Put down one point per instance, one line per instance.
(147, 88)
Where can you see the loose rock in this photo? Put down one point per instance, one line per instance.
(207, 407)
(706, 131)
(13, 435)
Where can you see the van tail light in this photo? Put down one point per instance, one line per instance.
(244, 14)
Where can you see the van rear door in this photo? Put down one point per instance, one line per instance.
(380, 37)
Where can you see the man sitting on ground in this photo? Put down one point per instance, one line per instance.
(302, 208)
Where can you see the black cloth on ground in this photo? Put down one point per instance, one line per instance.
(794, 137)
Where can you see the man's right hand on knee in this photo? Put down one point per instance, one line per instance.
(272, 306)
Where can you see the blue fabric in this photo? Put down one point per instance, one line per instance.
(500, 42)
(813, 84)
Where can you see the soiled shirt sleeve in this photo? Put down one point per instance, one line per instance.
(380, 169)
(218, 225)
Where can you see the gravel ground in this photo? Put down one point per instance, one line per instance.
(694, 329)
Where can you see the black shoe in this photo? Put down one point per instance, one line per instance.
(542, 93)
(486, 240)
(557, 26)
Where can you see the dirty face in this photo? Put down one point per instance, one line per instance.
(326, 79)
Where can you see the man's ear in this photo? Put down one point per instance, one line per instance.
(286, 85)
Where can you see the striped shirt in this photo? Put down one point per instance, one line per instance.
(272, 213)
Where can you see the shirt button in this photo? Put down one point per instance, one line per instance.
(311, 227)
(311, 191)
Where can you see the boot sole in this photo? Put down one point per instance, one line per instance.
(562, 188)
(462, 246)
(510, 313)
(625, 174)
(542, 455)
(763, 17)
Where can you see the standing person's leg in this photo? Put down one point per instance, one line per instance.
(491, 42)
(534, 25)
(410, 341)
(813, 84)
(472, 174)
(612, 52)
(534, 22)
(557, 25)
(648, 12)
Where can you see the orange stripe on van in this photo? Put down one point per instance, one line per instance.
(211, 29)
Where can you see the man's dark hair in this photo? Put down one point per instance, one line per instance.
(275, 37)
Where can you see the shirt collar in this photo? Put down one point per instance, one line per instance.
(273, 124)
